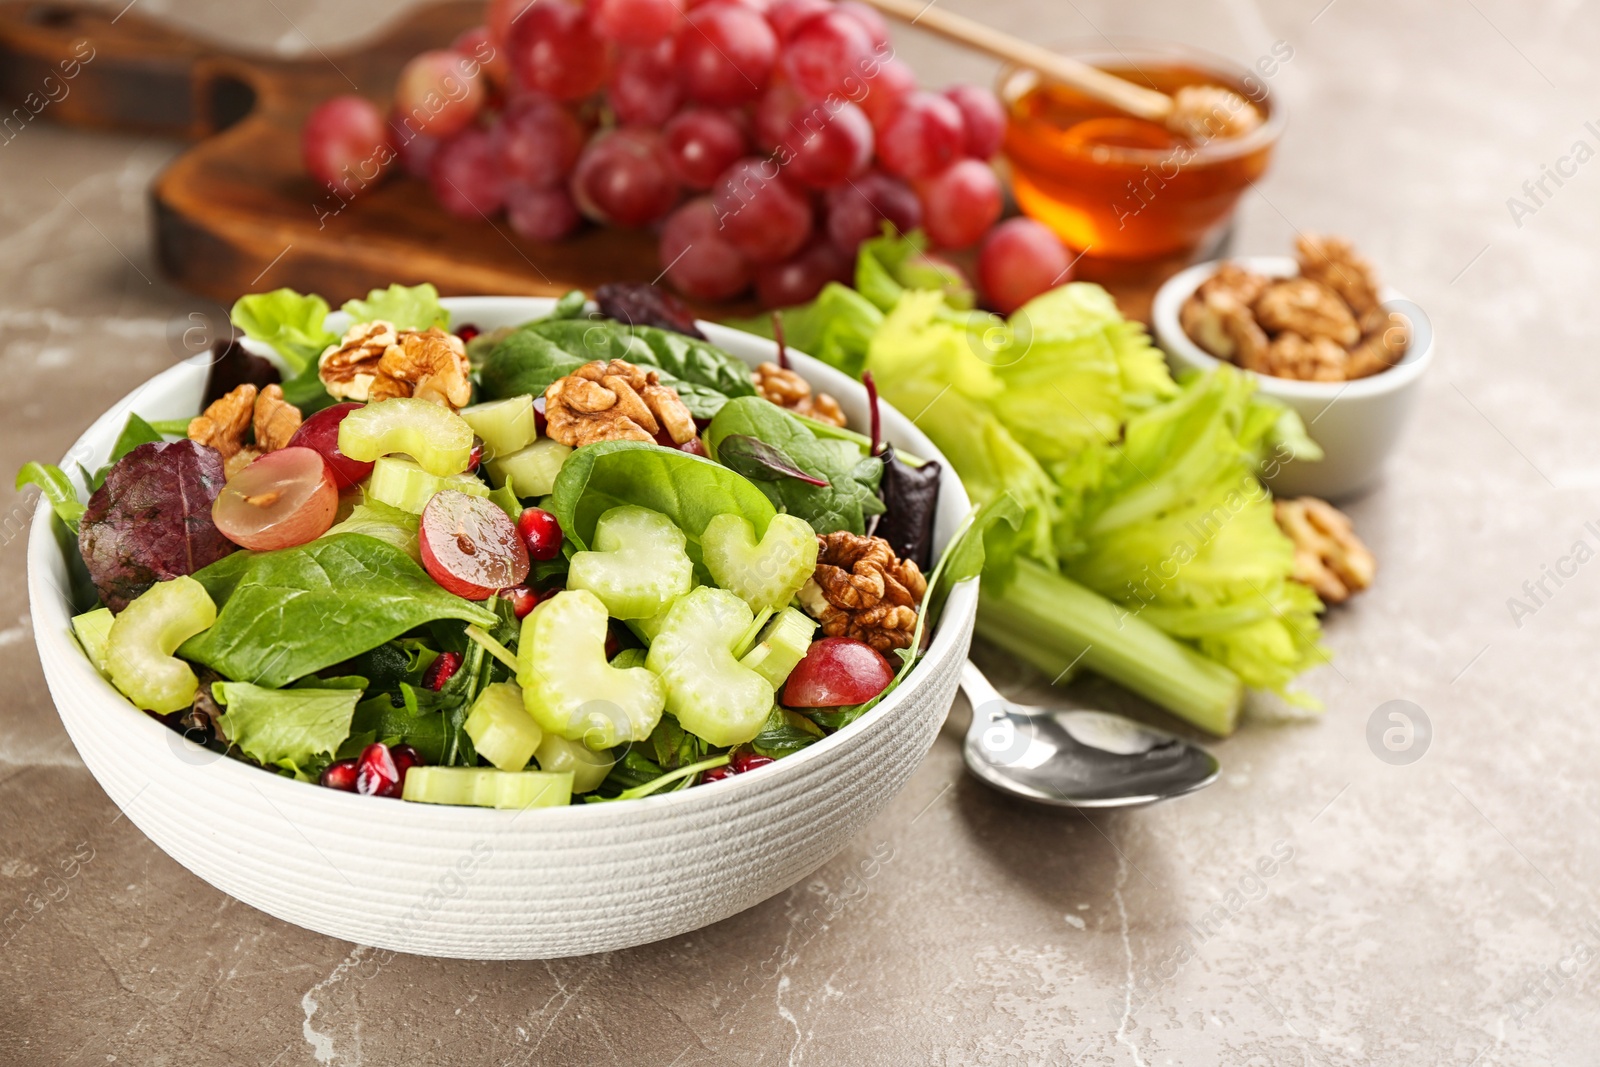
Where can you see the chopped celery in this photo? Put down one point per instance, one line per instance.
(505, 425)
(765, 574)
(708, 691)
(404, 484)
(501, 729)
(751, 635)
(587, 767)
(638, 565)
(567, 685)
(481, 787)
(782, 646)
(533, 469)
(436, 437)
(93, 628)
(142, 640)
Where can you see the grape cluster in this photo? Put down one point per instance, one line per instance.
(763, 140)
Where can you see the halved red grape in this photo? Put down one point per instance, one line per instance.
(644, 89)
(829, 53)
(887, 89)
(537, 141)
(467, 180)
(696, 256)
(283, 499)
(922, 137)
(829, 143)
(960, 203)
(982, 117)
(858, 209)
(320, 433)
(1020, 259)
(542, 214)
(837, 671)
(555, 49)
(622, 178)
(762, 215)
(636, 22)
(725, 53)
(797, 279)
(346, 145)
(701, 144)
(439, 92)
(470, 546)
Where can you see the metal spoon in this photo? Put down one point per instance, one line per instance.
(1075, 757)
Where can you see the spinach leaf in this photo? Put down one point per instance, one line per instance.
(673, 746)
(761, 462)
(378, 719)
(57, 487)
(785, 733)
(686, 489)
(389, 524)
(852, 490)
(292, 612)
(287, 728)
(135, 432)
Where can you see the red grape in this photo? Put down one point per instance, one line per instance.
(320, 432)
(470, 546)
(477, 44)
(644, 88)
(870, 20)
(725, 53)
(346, 144)
(466, 177)
(696, 256)
(701, 144)
(772, 113)
(537, 141)
(541, 214)
(417, 150)
(922, 137)
(826, 52)
(761, 214)
(540, 533)
(828, 144)
(960, 203)
(787, 15)
(282, 499)
(555, 49)
(1019, 260)
(622, 178)
(886, 91)
(636, 22)
(798, 279)
(837, 671)
(439, 92)
(983, 118)
(858, 209)
(502, 18)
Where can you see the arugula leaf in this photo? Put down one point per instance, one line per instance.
(287, 728)
(851, 492)
(689, 490)
(57, 488)
(414, 307)
(290, 613)
(288, 321)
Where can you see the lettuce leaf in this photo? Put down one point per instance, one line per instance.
(292, 323)
(286, 728)
(414, 307)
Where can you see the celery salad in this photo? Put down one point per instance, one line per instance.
(588, 558)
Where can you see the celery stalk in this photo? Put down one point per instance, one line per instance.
(1058, 614)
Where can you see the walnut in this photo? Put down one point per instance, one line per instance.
(861, 590)
(1204, 112)
(1219, 322)
(225, 420)
(1381, 348)
(1310, 359)
(1328, 556)
(1308, 308)
(614, 401)
(788, 390)
(374, 361)
(1333, 262)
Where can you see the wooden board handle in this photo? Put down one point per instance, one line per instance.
(90, 66)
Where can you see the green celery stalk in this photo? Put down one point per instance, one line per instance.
(1049, 620)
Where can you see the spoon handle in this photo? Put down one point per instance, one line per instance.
(978, 689)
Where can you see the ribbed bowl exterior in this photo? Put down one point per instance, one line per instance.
(475, 883)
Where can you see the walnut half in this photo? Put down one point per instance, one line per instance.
(791, 392)
(223, 424)
(615, 401)
(374, 361)
(861, 590)
(1328, 556)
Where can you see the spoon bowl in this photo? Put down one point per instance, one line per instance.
(1076, 757)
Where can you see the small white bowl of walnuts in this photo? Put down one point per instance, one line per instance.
(1322, 335)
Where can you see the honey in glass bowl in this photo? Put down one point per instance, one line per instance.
(1117, 188)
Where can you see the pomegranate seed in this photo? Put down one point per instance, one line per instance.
(340, 774)
(744, 762)
(441, 670)
(405, 758)
(466, 331)
(475, 457)
(523, 599)
(376, 773)
(540, 533)
(538, 415)
(717, 774)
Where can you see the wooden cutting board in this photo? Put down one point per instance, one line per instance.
(235, 213)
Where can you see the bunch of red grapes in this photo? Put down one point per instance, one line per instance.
(763, 141)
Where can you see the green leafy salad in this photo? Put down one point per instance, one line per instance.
(581, 558)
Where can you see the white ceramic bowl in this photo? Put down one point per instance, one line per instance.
(1357, 423)
(478, 883)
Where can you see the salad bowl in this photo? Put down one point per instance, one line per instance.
(477, 883)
